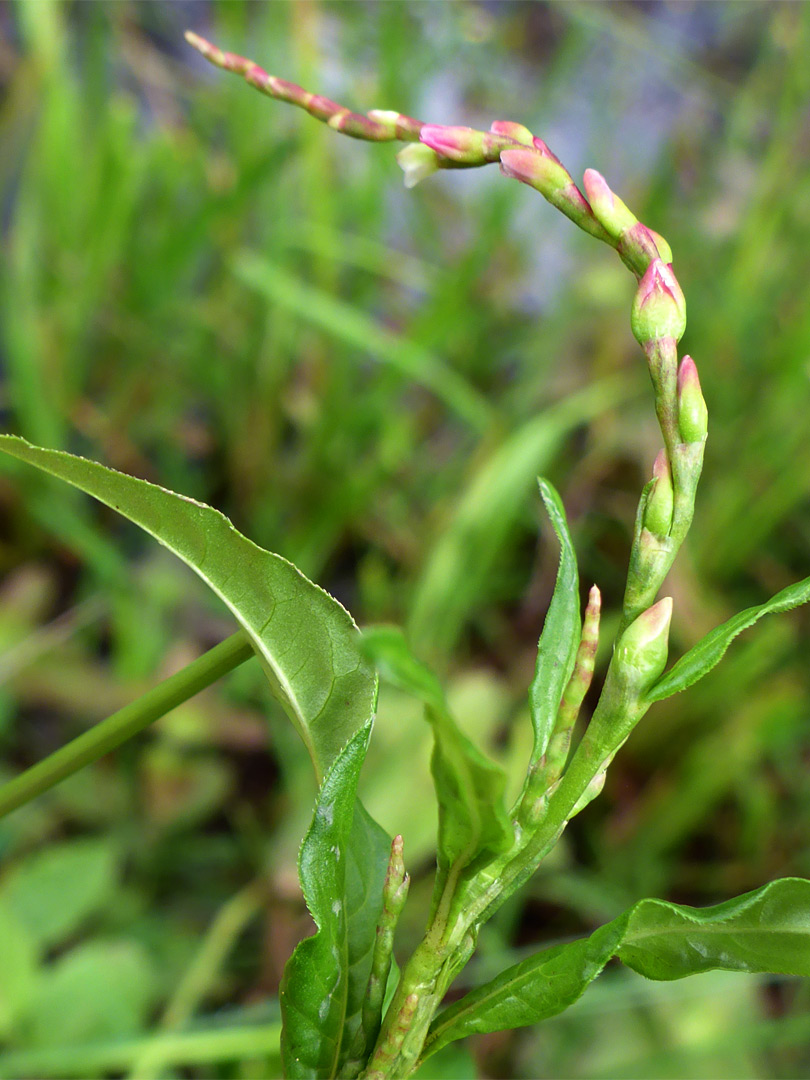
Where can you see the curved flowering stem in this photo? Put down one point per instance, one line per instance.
(559, 784)
(658, 315)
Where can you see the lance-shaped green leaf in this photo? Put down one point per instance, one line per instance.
(557, 649)
(473, 822)
(767, 930)
(307, 643)
(342, 868)
(709, 652)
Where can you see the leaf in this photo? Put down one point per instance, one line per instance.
(342, 868)
(97, 990)
(767, 930)
(708, 652)
(559, 641)
(473, 822)
(387, 648)
(306, 641)
(537, 988)
(18, 970)
(51, 893)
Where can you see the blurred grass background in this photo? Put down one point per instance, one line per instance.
(210, 290)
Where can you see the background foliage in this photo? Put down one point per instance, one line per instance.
(205, 289)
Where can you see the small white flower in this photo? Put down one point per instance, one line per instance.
(417, 161)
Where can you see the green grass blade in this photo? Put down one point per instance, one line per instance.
(185, 1048)
(454, 580)
(357, 330)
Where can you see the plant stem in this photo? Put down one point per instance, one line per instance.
(450, 941)
(125, 723)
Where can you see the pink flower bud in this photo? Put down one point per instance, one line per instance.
(463, 145)
(511, 130)
(693, 416)
(659, 308)
(531, 167)
(607, 207)
(538, 144)
(664, 250)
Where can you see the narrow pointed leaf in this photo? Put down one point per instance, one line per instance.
(307, 643)
(541, 986)
(709, 652)
(342, 868)
(473, 822)
(767, 930)
(557, 649)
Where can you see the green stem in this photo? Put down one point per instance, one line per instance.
(440, 957)
(125, 723)
(422, 985)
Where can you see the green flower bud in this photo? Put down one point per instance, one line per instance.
(514, 131)
(659, 308)
(540, 171)
(693, 416)
(608, 208)
(641, 653)
(658, 511)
